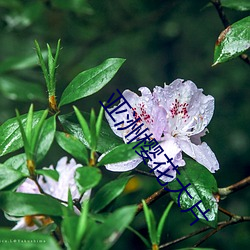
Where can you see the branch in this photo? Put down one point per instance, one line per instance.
(235, 220)
(143, 173)
(224, 192)
(151, 199)
(226, 23)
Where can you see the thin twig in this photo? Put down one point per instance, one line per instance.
(151, 199)
(223, 192)
(204, 229)
(224, 211)
(235, 220)
(144, 173)
(226, 23)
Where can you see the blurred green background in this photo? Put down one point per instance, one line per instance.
(161, 41)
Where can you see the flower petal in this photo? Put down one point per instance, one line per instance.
(201, 153)
(29, 187)
(172, 150)
(189, 110)
(152, 115)
(124, 166)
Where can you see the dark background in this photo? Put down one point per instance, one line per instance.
(161, 41)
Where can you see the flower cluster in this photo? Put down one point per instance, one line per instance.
(58, 189)
(177, 115)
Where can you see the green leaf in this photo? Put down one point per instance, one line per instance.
(233, 41)
(120, 153)
(73, 146)
(203, 186)
(53, 174)
(19, 63)
(69, 231)
(82, 223)
(18, 162)
(162, 221)
(105, 235)
(84, 125)
(150, 219)
(108, 193)
(16, 240)
(107, 139)
(10, 136)
(74, 228)
(92, 126)
(20, 204)
(241, 5)
(46, 138)
(99, 122)
(19, 90)
(90, 81)
(87, 177)
(8, 176)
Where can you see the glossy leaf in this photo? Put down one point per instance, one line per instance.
(90, 81)
(18, 162)
(87, 177)
(233, 41)
(19, 90)
(105, 235)
(46, 137)
(20, 204)
(9, 175)
(241, 5)
(10, 136)
(73, 146)
(53, 174)
(119, 154)
(203, 186)
(107, 139)
(16, 240)
(108, 193)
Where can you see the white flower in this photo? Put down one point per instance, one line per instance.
(58, 189)
(177, 116)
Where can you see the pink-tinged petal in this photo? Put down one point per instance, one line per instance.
(152, 116)
(172, 150)
(189, 110)
(201, 153)
(29, 187)
(124, 166)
